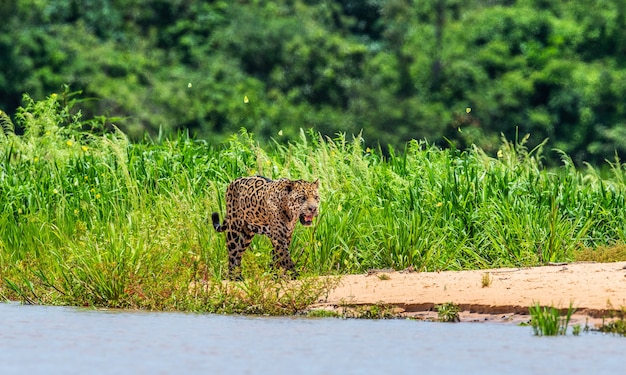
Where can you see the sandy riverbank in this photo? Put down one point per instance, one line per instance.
(593, 288)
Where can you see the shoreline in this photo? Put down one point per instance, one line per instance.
(595, 291)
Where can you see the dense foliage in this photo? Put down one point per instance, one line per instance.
(394, 70)
(98, 220)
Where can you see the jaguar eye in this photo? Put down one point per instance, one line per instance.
(301, 199)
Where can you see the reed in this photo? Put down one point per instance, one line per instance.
(548, 321)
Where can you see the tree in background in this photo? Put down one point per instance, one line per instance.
(445, 70)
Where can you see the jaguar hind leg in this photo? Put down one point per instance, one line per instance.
(238, 243)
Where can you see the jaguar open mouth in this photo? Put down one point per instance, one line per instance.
(306, 219)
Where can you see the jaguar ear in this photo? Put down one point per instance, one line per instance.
(288, 186)
(316, 183)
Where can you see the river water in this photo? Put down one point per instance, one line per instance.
(63, 340)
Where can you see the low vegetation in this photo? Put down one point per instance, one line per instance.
(552, 321)
(448, 312)
(607, 253)
(378, 310)
(617, 327)
(91, 219)
(616, 323)
(549, 321)
(486, 280)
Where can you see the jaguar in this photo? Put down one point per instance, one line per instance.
(258, 205)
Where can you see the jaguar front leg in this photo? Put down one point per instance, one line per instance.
(281, 255)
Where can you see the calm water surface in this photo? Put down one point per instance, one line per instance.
(51, 340)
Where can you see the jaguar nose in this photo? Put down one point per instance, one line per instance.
(312, 210)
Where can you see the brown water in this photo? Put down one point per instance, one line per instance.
(51, 340)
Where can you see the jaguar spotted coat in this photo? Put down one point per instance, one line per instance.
(258, 205)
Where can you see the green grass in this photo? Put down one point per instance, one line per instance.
(616, 323)
(90, 218)
(617, 327)
(448, 312)
(322, 313)
(609, 253)
(378, 310)
(548, 321)
(486, 280)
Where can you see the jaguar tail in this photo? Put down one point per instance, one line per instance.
(215, 217)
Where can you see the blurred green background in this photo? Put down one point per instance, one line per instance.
(449, 71)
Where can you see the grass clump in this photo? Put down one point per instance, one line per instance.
(548, 321)
(618, 327)
(448, 312)
(264, 294)
(609, 253)
(377, 311)
(618, 323)
(485, 280)
(323, 313)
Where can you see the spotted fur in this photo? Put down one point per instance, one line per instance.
(258, 205)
